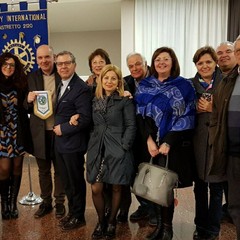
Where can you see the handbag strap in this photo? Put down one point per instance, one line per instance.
(166, 165)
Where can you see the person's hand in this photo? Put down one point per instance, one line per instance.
(31, 97)
(57, 130)
(152, 147)
(74, 120)
(127, 94)
(204, 105)
(164, 148)
(90, 80)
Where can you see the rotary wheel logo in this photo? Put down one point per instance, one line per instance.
(42, 100)
(23, 51)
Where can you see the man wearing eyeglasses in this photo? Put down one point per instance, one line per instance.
(224, 137)
(45, 78)
(71, 141)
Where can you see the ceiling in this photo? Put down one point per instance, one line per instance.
(80, 15)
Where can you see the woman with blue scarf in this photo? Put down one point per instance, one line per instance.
(166, 105)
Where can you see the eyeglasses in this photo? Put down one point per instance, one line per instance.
(10, 65)
(67, 63)
(158, 60)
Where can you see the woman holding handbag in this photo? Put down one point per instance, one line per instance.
(166, 105)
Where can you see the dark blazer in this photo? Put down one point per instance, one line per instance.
(75, 99)
(37, 125)
(130, 83)
(140, 148)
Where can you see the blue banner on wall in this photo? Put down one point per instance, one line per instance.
(22, 32)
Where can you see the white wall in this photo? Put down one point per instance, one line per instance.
(127, 36)
(118, 43)
(82, 44)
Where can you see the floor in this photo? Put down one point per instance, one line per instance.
(26, 227)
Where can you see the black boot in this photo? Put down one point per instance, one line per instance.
(157, 232)
(167, 217)
(14, 190)
(167, 233)
(4, 190)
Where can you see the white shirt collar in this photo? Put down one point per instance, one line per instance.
(66, 82)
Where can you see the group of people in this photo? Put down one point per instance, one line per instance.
(119, 123)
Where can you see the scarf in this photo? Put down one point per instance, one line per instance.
(171, 104)
(101, 104)
(206, 85)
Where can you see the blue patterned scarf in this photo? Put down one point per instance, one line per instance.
(171, 104)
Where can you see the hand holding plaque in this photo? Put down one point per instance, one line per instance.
(43, 104)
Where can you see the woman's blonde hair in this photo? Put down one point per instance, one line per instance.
(110, 67)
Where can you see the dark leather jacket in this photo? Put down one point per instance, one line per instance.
(218, 123)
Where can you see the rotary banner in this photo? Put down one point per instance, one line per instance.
(21, 32)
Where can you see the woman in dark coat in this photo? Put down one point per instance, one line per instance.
(109, 156)
(208, 190)
(15, 135)
(166, 104)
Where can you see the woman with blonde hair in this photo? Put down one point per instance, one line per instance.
(109, 156)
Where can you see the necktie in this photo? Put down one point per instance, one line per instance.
(59, 90)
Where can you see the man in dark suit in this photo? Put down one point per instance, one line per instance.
(71, 141)
(45, 78)
(139, 70)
